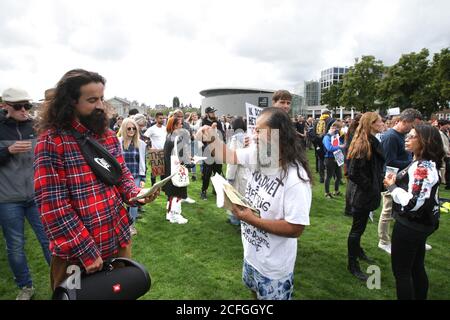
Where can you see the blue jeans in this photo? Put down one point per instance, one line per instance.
(267, 288)
(194, 152)
(134, 210)
(12, 220)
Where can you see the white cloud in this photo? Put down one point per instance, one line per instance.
(152, 51)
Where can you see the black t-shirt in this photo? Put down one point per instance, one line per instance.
(300, 127)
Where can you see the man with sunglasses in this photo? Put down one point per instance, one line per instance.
(17, 139)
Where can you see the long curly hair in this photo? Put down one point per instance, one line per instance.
(431, 144)
(360, 147)
(58, 112)
(290, 145)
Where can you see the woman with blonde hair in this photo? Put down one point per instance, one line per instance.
(134, 154)
(365, 172)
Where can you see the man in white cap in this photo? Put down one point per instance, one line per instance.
(17, 139)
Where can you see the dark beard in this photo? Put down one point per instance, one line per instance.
(97, 122)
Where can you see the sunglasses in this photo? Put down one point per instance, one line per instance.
(19, 106)
(131, 128)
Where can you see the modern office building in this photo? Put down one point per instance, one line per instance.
(312, 93)
(330, 76)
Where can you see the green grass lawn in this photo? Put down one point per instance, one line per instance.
(203, 259)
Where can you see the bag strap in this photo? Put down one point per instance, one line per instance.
(84, 138)
(176, 146)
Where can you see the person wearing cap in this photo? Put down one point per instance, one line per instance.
(17, 138)
(210, 166)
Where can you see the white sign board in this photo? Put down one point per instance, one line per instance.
(252, 113)
(393, 111)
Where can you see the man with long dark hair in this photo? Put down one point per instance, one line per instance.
(84, 217)
(279, 188)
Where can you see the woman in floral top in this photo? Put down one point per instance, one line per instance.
(414, 192)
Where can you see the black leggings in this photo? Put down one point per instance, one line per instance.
(408, 262)
(359, 224)
(208, 170)
(332, 170)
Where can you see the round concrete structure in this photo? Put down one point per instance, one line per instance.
(232, 100)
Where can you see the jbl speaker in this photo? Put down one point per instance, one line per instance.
(120, 279)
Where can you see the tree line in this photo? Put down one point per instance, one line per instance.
(415, 81)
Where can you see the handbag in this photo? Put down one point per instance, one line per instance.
(105, 167)
(120, 279)
(181, 177)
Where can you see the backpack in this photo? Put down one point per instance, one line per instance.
(321, 128)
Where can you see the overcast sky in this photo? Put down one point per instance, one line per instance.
(151, 51)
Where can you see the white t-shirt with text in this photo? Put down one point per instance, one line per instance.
(286, 199)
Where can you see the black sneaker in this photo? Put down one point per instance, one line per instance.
(203, 195)
(194, 178)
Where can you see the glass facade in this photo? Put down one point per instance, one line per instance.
(312, 93)
(330, 76)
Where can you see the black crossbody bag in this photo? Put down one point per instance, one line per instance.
(102, 163)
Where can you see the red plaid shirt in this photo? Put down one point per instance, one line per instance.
(83, 217)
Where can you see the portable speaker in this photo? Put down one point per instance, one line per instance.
(129, 281)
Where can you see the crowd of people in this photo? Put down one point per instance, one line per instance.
(80, 217)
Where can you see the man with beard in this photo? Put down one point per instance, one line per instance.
(279, 188)
(210, 166)
(84, 218)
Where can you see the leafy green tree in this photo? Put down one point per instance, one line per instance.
(441, 77)
(359, 87)
(412, 83)
(176, 103)
(331, 96)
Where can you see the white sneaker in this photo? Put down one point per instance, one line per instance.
(25, 293)
(188, 200)
(133, 230)
(385, 247)
(178, 218)
(169, 216)
(428, 247)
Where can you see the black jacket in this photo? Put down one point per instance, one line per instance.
(366, 179)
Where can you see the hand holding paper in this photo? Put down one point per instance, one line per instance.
(144, 196)
(149, 194)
